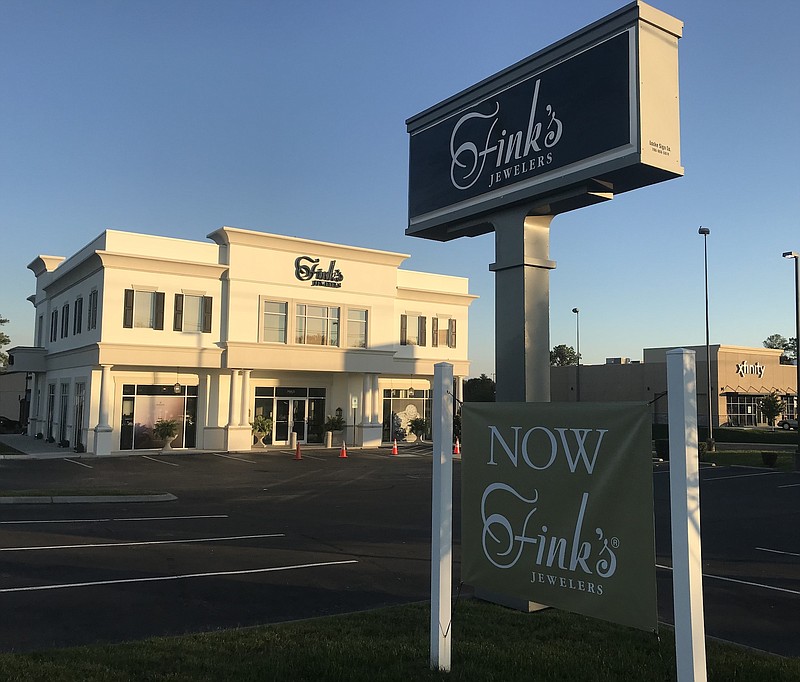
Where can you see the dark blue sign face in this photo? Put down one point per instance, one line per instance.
(516, 138)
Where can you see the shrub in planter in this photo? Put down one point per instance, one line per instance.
(419, 427)
(39, 436)
(662, 447)
(335, 423)
(262, 427)
(769, 458)
(165, 430)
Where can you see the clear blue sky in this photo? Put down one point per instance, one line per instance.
(176, 117)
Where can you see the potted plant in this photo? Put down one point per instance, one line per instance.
(165, 430)
(262, 427)
(333, 425)
(419, 427)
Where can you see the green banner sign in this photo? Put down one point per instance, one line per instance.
(557, 506)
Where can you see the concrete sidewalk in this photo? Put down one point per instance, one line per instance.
(31, 448)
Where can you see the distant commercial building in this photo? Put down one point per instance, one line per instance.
(740, 378)
(133, 328)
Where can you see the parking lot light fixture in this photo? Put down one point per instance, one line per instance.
(710, 442)
(796, 256)
(578, 354)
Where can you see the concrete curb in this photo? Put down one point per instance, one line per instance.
(88, 499)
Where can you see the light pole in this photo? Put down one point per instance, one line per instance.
(710, 442)
(578, 353)
(796, 256)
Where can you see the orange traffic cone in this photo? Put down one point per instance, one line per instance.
(297, 451)
(457, 448)
(394, 447)
(343, 451)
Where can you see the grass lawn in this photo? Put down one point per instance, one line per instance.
(489, 643)
(747, 458)
(76, 492)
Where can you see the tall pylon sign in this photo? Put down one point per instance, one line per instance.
(592, 116)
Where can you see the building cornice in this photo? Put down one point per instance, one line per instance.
(234, 236)
(170, 266)
(410, 294)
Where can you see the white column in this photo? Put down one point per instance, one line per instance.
(366, 399)
(458, 389)
(442, 517)
(684, 482)
(103, 431)
(376, 400)
(33, 408)
(245, 405)
(105, 400)
(234, 399)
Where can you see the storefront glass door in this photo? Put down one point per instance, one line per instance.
(290, 417)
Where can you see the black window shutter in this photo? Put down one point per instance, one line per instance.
(208, 303)
(434, 332)
(452, 335)
(422, 327)
(404, 330)
(177, 321)
(78, 318)
(159, 321)
(127, 319)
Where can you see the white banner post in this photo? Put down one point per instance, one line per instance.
(684, 482)
(442, 516)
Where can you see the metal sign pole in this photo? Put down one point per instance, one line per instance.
(684, 483)
(442, 517)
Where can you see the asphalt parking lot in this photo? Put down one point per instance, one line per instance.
(261, 538)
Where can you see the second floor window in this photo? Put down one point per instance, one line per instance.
(317, 325)
(77, 320)
(144, 309)
(192, 313)
(443, 332)
(356, 328)
(91, 314)
(65, 320)
(54, 325)
(275, 316)
(412, 330)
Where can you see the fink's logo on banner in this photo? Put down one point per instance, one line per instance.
(307, 269)
(481, 149)
(557, 507)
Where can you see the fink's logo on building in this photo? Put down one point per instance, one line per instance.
(307, 269)
(479, 143)
(744, 368)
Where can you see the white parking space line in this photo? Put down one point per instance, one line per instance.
(252, 571)
(143, 543)
(791, 485)
(740, 582)
(67, 459)
(761, 473)
(133, 518)
(160, 461)
(777, 551)
(249, 461)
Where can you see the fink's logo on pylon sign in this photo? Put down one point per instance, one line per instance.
(557, 507)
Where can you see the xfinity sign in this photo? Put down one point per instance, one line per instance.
(593, 115)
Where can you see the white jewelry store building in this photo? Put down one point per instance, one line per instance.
(134, 328)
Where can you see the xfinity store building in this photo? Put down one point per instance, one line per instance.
(134, 328)
(740, 378)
